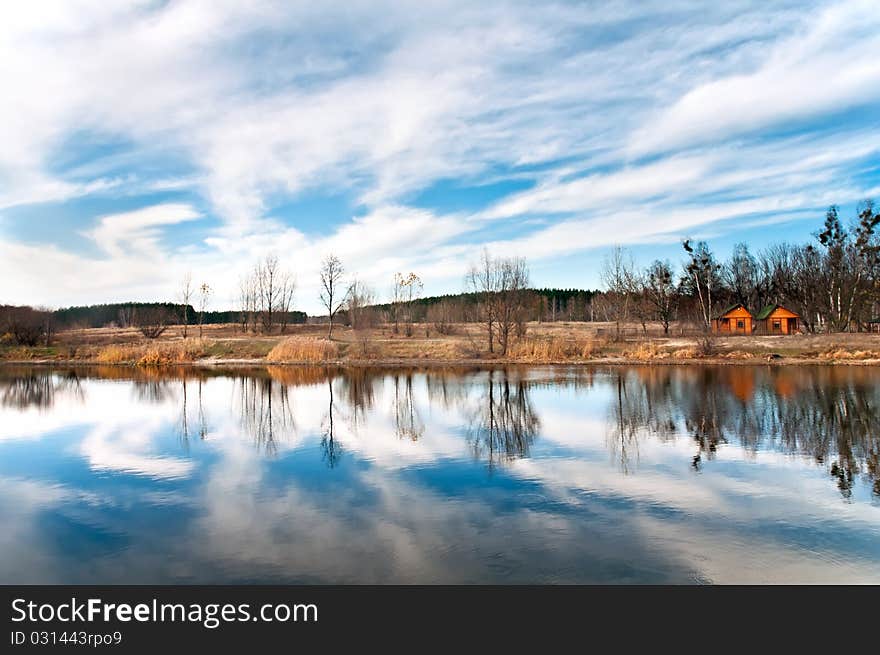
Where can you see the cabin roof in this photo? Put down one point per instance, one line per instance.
(732, 308)
(765, 312)
(769, 309)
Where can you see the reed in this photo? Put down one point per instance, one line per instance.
(116, 354)
(553, 349)
(647, 352)
(303, 349)
(840, 354)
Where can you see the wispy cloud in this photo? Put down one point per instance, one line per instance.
(138, 231)
(633, 122)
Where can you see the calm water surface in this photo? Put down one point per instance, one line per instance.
(557, 475)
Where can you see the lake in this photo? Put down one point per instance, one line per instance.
(664, 474)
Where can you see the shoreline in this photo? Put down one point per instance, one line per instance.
(446, 363)
(544, 344)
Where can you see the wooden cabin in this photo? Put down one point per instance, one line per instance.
(736, 319)
(776, 319)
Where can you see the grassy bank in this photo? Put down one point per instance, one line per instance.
(544, 343)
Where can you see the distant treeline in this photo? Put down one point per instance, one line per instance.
(547, 304)
(126, 314)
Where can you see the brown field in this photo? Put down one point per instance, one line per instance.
(544, 343)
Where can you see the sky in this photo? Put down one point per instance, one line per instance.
(143, 140)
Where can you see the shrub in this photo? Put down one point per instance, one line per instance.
(26, 326)
(706, 345)
(152, 321)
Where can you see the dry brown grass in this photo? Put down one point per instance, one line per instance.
(157, 354)
(304, 349)
(173, 353)
(432, 349)
(647, 352)
(544, 343)
(118, 354)
(739, 354)
(842, 354)
(553, 349)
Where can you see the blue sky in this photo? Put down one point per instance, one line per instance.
(142, 140)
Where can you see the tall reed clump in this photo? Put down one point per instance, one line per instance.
(164, 354)
(647, 352)
(304, 349)
(841, 354)
(116, 354)
(553, 349)
(160, 354)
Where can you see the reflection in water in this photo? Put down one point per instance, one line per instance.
(407, 421)
(830, 414)
(322, 474)
(504, 423)
(186, 427)
(826, 413)
(330, 446)
(38, 388)
(265, 410)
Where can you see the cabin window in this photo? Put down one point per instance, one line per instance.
(777, 326)
(740, 324)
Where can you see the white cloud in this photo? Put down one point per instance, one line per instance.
(830, 66)
(247, 107)
(138, 230)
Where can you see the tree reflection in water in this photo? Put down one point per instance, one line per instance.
(202, 425)
(266, 412)
(330, 446)
(39, 388)
(407, 420)
(358, 390)
(831, 414)
(505, 423)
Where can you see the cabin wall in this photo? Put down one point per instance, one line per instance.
(730, 325)
(789, 323)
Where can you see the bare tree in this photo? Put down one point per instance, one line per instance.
(660, 292)
(186, 296)
(618, 275)
(444, 314)
(285, 299)
(361, 313)
(407, 290)
(248, 301)
(268, 290)
(482, 279)
(395, 307)
(501, 285)
(266, 296)
(204, 298)
(332, 296)
(511, 298)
